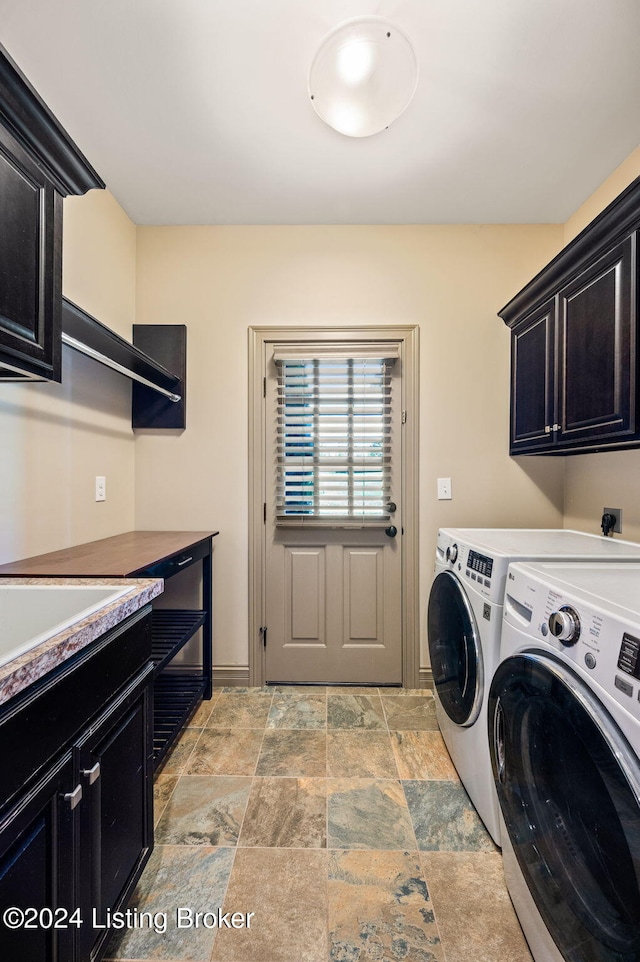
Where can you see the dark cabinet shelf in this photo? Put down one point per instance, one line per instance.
(171, 629)
(176, 696)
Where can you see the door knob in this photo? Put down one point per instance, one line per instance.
(391, 531)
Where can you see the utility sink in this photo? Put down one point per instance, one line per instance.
(31, 614)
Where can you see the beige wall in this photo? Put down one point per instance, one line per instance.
(449, 280)
(610, 479)
(57, 437)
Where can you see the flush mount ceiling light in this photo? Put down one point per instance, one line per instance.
(363, 76)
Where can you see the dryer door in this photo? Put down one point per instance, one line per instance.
(569, 789)
(456, 653)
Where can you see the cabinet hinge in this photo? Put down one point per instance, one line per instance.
(404, 417)
(264, 387)
(264, 513)
(263, 635)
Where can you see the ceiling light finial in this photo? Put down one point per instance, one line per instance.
(363, 76)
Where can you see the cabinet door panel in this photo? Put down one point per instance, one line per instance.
(598, 320)
(30, 265)
(532, 381)
(37, 843)
(117, 813)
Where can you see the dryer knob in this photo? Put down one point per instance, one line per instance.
(452, 553)
(565, 625)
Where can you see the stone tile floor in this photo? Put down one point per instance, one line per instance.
(336, 817)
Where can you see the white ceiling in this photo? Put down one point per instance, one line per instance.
(197, 112)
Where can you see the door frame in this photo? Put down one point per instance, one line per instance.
(260, 338)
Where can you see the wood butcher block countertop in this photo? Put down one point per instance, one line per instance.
(117, 557)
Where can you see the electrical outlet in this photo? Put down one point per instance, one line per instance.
(444, 489)
(101, 488)
(617, 514)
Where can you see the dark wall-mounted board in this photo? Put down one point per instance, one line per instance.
(167, 343)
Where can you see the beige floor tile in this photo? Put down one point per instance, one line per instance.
(286, 813)
(368, 813)
(293, 752)
(379, 908)
(205, 810)
(360, 754)
(226, 751)
(410, 713)
(473, 911)
(422, 755)
(240, 711)
(305, 710)
(175, 761)
(355, 711)
(163, 786)
(201, 716)
(287, 891)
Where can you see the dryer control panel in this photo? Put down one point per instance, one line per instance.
(601, 642)
(629, 657)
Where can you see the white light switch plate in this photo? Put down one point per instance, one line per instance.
(444, 489)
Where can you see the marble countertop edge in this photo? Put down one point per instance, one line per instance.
(22, 671)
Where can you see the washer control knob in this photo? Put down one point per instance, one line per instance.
(452, 553)
(564, 625)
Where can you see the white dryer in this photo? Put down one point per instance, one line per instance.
(564, 725)
(464, 627)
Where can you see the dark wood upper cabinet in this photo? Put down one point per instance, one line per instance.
(574, 385)
(597, 350)
(39, 165)
(533, 364)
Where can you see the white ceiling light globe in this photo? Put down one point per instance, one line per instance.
(363, 76)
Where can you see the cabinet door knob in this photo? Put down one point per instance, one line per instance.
(93, 774)
(74, 798)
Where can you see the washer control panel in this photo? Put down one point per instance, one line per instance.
(564, 625)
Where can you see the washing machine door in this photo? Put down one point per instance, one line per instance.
(569, 789)
(455, 649)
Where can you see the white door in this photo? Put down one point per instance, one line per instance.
(333, 513)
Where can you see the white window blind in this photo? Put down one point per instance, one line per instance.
(333, 436)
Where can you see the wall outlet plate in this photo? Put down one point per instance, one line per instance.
(101, 488)
(617, 514)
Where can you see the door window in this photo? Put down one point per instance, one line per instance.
(333, 436)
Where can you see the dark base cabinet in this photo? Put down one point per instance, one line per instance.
(37, 847)
(150, 554)
(76, 820)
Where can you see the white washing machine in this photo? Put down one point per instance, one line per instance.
(564, 725)
(464, 627)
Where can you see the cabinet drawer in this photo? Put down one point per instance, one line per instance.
(40, 722)
(176, 563)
